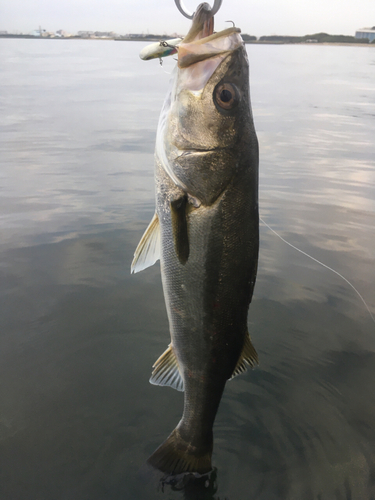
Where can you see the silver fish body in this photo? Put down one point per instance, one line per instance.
(205, 232)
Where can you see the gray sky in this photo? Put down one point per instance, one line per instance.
(255, 17)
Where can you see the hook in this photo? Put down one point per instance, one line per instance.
(181, 7)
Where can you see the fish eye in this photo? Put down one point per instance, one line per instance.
(225, 96)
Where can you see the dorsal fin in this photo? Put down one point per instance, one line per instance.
(166, 371)
(248, 358)
(180, 228)
(148, 249)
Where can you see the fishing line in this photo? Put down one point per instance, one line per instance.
(162, 67)
(321, 263)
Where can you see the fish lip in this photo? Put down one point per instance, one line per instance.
(218, 44)
(217, 34)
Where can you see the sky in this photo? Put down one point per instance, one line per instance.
(255, 17)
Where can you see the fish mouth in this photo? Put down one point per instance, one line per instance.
(199, 155)
(197, 151)
(217, 44)
(213, 36)
(202, 43)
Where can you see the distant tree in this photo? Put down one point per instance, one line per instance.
(280, 39)
(316, 37)
(326, 38)
(248, 38)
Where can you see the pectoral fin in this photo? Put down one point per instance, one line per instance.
(166, 371)
(248, 358)
(180, 229)
(148, 249)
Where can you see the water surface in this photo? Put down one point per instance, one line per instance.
(78, 334)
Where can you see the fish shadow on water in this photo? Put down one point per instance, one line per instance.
(194, 486)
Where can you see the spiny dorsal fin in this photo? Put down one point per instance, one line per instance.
(180, 229)
(248, 358)
(148, 249)
(166, 371)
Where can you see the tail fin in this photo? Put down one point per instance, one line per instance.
(176, 456)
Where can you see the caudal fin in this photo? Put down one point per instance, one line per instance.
(176, 456)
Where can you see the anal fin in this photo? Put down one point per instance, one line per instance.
(166, 371)
(247, 359)
(148, 249)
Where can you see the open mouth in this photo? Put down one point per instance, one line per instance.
(202, 43)
(197, 151)
(213, 45)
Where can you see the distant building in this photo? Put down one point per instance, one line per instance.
(85, 34)
(105, 34)
(366, 33)
(137, 36)
(43, 33)
(63, 34)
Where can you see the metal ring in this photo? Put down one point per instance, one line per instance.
(181, 7)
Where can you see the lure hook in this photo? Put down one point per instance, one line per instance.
(181, 7)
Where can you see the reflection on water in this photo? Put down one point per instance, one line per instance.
(79, 335)
(192, 485)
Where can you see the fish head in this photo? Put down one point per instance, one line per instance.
(211, 95)
(207, 124)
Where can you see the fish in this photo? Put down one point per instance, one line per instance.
(205, 231)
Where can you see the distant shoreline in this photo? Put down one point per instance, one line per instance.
(154, 39)
(313, 44)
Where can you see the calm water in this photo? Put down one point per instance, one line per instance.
(78, 334)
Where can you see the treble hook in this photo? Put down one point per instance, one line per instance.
(181, 7)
